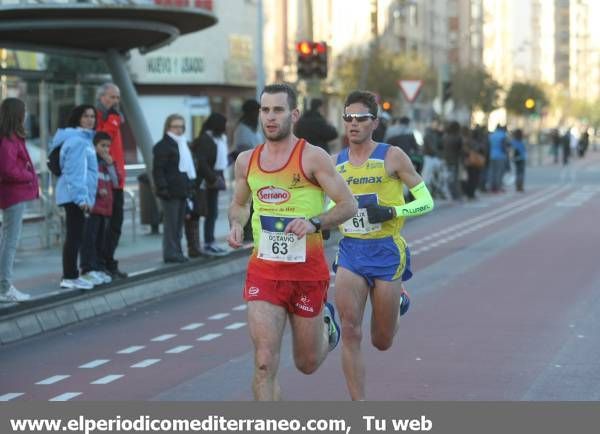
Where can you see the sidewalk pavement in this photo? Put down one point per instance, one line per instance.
(38, 271)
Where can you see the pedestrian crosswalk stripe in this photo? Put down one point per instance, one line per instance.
(179, 349)
(209, 337)
(235, 326)
(132, 349)
(9, 396)
(193, 326)
(65, 396)
(107, 379)
(145, 363)
(163, 338)
(94, 363)
(219, 316)
(52, 380)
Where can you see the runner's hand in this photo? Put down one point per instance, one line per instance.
(236, 236)
(379, 214)
(300, 227)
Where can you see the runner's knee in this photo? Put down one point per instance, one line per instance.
(351, 333)
(307, 363)
(266, 362)
(382, 341)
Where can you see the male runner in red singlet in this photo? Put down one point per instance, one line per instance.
(288, 276)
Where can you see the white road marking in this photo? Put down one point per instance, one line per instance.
(132, 349)
(107, 379)
(218, 316)
(145, 363)
(9, 396)
(193, 326)
(163, 338)
(209, 337)
(52, 380)
(235, 326)
(65, 396)
(240, 307)
(94, 364)
(179, 349)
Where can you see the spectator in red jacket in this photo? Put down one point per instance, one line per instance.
(109, 120)
(18, 184)
(95, 233)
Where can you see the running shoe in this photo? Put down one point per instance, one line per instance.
(13, 295)
(334, 328)
(105, 277)
(404, 302)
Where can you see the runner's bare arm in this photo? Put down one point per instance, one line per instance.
(399, 166)
(239, 210)
(324, 173)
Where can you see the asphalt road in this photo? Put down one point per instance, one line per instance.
(505, 306)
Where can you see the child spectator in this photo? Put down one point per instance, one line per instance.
(95, 233)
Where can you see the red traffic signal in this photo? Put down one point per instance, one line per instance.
(312, 59)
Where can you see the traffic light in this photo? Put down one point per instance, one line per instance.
(312, 59)
(320, 59)
(304, 50)
(386, 106)
(446, 91)
(530, 104)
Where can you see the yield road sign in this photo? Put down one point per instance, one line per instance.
(410, 88)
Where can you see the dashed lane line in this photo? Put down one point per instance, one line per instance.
(10, 396)
(53, 379)
(163, 338)
(94, 364)
(218, 316)
(108, 379)
(65, 396)
(130, 350)
(145, 363)
(235, 326)
(240, 307)
(192, 326)
(209, 337)
(179, 349)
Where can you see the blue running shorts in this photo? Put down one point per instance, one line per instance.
(380, 258)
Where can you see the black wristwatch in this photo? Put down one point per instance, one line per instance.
(316, 222)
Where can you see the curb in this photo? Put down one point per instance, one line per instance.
(63, 309)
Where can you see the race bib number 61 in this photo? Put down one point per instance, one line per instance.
(275, 245)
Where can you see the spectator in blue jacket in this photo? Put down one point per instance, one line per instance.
(76, 186)
(519, 157)
(498, 158)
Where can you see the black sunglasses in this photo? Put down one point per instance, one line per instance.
(360, 117)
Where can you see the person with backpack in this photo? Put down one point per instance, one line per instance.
(95, 233)
(18, 184)
(76, 186)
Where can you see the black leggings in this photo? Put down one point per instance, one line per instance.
(75, 223)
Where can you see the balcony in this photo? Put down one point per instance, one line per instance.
(91, 27)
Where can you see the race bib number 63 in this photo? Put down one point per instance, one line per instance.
(275, 245)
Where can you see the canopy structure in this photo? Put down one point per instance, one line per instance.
(102, 28)
(96, 27)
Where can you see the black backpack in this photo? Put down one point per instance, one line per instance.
(53, 161)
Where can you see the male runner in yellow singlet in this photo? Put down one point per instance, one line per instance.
(287, 274)
(373, 258)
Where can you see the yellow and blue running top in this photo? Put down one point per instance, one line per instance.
(373, 251)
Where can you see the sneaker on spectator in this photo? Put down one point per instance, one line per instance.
(334, 328)
(13, 295)
(213, 250)
(78, 283)
(404, 302)
(92, 277)
(103, 276)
